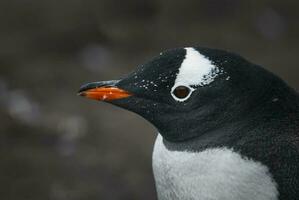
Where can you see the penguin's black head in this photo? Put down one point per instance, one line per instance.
(187, 92)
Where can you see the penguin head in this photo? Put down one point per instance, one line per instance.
(187, 92)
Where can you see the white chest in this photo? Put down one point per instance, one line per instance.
(213, 174)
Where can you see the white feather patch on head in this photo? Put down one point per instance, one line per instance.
(195, 70)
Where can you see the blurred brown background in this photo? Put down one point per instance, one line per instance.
(55, 145)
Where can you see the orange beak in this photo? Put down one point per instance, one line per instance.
(103, 93)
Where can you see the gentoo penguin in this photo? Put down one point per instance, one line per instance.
(227, 128)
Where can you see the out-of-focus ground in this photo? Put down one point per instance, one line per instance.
(55, 145)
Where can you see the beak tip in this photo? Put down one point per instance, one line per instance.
(82, 94)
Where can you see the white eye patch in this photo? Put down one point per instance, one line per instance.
(195, 70)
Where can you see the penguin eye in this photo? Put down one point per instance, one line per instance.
(181, 92)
